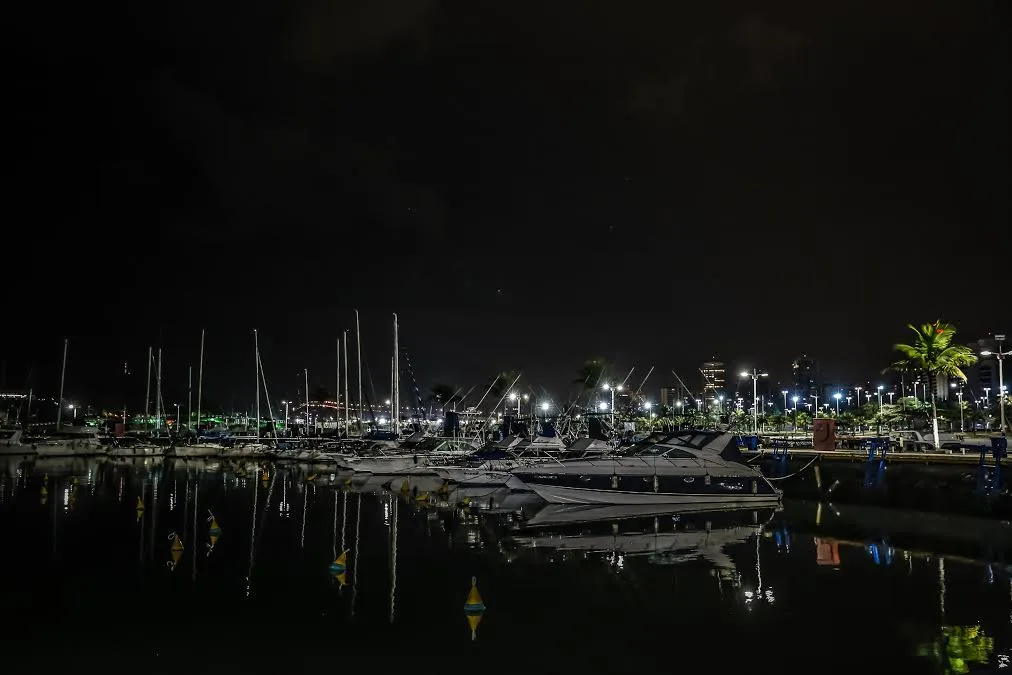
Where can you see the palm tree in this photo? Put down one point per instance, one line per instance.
(592, 373)
(503, 382)
(932, 353)
(443, 394)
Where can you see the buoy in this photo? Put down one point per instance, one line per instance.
(474, 608)
(140, 504)
(405, 487)
(422, 497)
(339, 568)
(212, 533)
(175, 551)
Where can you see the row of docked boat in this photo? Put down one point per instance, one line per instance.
(682, 467)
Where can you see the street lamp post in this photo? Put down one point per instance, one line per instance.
(285, 403)
(612, 389)
(879, 389)
(1001, 378)
(816, 397)
(784, 392)
(858, 390)
(837, 396)
(959, 394)
(795, 399)
(755, 375)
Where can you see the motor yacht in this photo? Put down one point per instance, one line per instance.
(683, 467)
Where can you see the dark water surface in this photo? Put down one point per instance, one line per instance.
(90, 582)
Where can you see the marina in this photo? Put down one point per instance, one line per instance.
(210, 553)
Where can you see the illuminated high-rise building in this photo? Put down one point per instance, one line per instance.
(713, 378)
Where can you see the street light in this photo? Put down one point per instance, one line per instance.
(755, 397)
(612, 389)
(879, 389)
(858, 390)
(285, 403)
(837, 396)
(959, 393)
(545, 407)
(784, 392)
(1001, 377)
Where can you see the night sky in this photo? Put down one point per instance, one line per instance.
(529, 184)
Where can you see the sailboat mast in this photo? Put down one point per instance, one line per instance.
(63, 372)
(305, 371)
(337, 392)
(147, 397)
(397, 383)
(358, 349)
(200, 379)
(256, 349)
(347, 416)
(159, 410)
(189, 394)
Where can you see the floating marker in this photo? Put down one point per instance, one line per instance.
(140, 504)
(405, 487)
(339, 567)
(474, 608)
(212, 533)
(175, 551)
(422, 497)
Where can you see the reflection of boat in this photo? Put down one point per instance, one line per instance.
(684, 467)
(668, 538)
(568, 514)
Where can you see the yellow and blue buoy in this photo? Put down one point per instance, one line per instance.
(140, 509)
(474, 608)
(212, 533)
(339, 568)
(175, 551)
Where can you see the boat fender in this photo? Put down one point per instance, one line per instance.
(755, 487)
(706, 479)
(656, 483)
(614, 482)
(416, 459)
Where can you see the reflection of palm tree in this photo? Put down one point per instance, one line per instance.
(932, 353)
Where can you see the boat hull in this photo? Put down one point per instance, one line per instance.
(560, 494)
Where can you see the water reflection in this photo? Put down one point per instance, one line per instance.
(363, 561)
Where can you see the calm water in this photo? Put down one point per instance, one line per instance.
(91, 582)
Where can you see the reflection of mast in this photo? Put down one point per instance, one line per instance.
(305, 499)
(344, 518)
(252, 537)
(140, 553)
(354, 565)
(154, 515)
(393, 556)
(941, 584)
(196, 495)
(333, 538)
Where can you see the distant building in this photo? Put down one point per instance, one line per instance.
(984, 374)
(805, 376)
(671, 394)
(713, 378)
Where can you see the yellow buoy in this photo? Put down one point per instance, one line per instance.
(175, 551)
(422, 497)
(212, 534)
(474, 608)
(140, 504)
(405, 487)
(339, 568)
